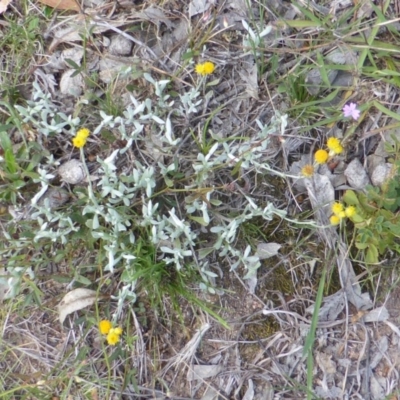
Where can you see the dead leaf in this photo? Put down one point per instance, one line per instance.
(324, 361)
(211, 394)
(377, 387)
(203, 371)
(251, 283)
(332, 306)
(249, 75)
(70, 5)
(198, 7)
(267, 250)
(70, 84)
(155, 15)
(378, 353)
(3, 5)
(322, 196)
(5, 286)
(249, 395)
(379, 314)
(76, 300)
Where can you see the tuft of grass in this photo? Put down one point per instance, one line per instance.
(19, 45)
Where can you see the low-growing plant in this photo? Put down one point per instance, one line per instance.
(377, 217)
(147, 236)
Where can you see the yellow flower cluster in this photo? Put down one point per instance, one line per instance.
(113, 334)
(205, 68)
(340, 212)
(321, 156)
(334, 146)
(80, 138)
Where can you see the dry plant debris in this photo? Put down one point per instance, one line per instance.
(205, 196)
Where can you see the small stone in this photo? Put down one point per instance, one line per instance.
(72, 172)
(373, 161)
(120, 46)
(56, 197)
(356, 175)
(381, 174)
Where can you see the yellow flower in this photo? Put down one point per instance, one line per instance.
(337, 208)
(341, 215)
(78, 141)
(112, 338)
(118, 331)
(350, 211)
(334, 220)
(104, 326)
(206, 68)
(321, 156)
(307, 171)
(332, 143)
(83, 133)
(334, 146)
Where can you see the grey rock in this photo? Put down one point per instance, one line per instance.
(120, 46)
(373, 161)
(356, 175)
(381, 174)
(72, 172)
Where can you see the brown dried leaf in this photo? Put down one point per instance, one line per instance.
(358, 316)
(70, 5)
(76, 300)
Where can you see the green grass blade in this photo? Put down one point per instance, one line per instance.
(309, 343)
(308, 14)
(385, 110)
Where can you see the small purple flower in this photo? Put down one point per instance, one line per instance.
(350, 110)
